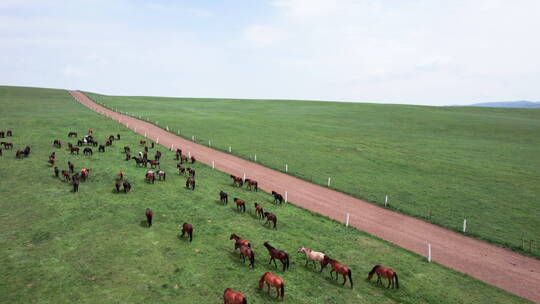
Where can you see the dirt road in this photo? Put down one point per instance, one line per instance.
(495, 265)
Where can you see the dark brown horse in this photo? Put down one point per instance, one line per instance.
(75, 185)
(193, 160)
(9, 133)
(223, 197)
(187, 228)
(270, 217)
(149, 214)
(190, 183)
(277, 254)
(74, 134)
(127, 186)
(273, 280)
(57, 143)
(142, 142)
(232, 297)
(240, 204)
(259, 211)
(252, 183)
(183, 159)
(65, 174)
(88, 151)
(338, 268)
(128, 156)
(239, 241)
(126, 149)
(7, 145)
(154, 164)
(384, 272)
(74, 149)
(56, 171)
(191, 172)
(101, 148)
(237, 180)
(181, 169)
(246, 251)
(117, 185)
(71, 167)
(277, 197)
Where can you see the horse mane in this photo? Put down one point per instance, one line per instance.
(374, 269)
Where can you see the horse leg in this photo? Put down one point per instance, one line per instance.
(389, 282)
(313, 264)
(275, 264)
(344, 279)
(307, 261)
(284, 264)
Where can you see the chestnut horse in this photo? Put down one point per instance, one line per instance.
(273, 280)
(57, 143)
(190, 183)
(223, 197)
(187, 228)
(117, 185)
(84, 173)
(246, 251)
(270, 217)
(239, 241)
(277, 254)
(240, 204)
(338, 268)
(65, 174)
(259, 211)
(237, 181)
(384, 272)
(74, 149)
(150, 177)
(252, 183)
(181, 169)
(232, 297)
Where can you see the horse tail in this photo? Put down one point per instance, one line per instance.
(397, 281)
(350, 277)
(252, 258)
(244, 301)
(287, 261)
(374, 269)
(275, 222)
(282, 287)
(256, 187)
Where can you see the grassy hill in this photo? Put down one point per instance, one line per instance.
(90, 247)
(443, 164)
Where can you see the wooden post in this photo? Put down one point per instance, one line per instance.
(429, 253)
(347, 221)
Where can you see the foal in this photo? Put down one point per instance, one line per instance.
(277, 254)
(273, 280)
(388, 273)
(187, 228)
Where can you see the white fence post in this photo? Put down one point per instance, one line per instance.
(329, 182)
(189, 154)
(127, 125)
(464, 225)
(172, 147)
(255, 157)
(286, 168)
(286, 197)
(167, 128)
(347, 221)
(209, 143)
(135, 129)
(157, 140)
(213, 165)
(230, 149)
(144, 134)
(244, 176)
(385, 200)
(429, 253)
(193, 137)
(178, 132)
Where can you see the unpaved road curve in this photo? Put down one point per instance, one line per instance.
(495, 265)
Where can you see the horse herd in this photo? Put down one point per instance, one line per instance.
(246, 251)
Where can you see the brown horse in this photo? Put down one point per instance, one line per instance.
(223, 197)
(191, 172)
(183, 159)
(75, 185)
(187, 228)
(181, 169)
(232, 297)
(240, 204)
(121, 175)
(384, 272)
(150, 177)
(128, 156)
(56, 171)
(270, 217)
(161, 175)
(117, 185)
(252, 183)
(193, 160)
(84, 173)
(127, 186)
(19, 154)
(237, 181)
(142, 142)
(108, 142)
(154, 164)
(65, 174)
(273, 280)
(71, 167)
(7, 145)
(277, 197)
(57, 143)
(338, 268)
(51, 161)
(126, 149)
(277, 254)
(149, 214)
(190, 183)
(9, 133)
(74, 149)
(259, 211)
(246, 251)
(239, 241)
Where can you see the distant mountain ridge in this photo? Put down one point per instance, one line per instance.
(508, 104)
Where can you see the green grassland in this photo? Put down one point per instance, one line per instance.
(443, 164)
(91, 247)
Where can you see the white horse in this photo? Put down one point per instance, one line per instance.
(313, 256)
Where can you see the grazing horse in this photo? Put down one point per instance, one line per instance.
(71, 166)
(237, 180)
(157, 156)
(19, 154)
(338, 268)
(193, 160)
(117, 136)
(181, 169)
(126, 149)
(0, 152)
(121, 175)
(145, 155)
(161, 174)
(313, 256)
(187, 228)
(232, 297)
(277, 197)
(84, 173)
(128, 156)
(240, 204)
(117, 185)
(259, 211)
(88, 151)
(150, 177)
(223, 197)
(108, 142)
(57, 143)
(142, 142)
(72, 134)
(154, 163)
(95, 143)
(65, 174)
(191, 172)
(26, 151)
(51, 161)
(127, 186)
(273, 280)
(140, 162)
(149, 215)
(384, 272)
(75, 185)
(9, 133)
(2, 134)
(183, 159)
(239, 241)
(246, 251)
(90, 131)
(7, 145)
(111, 138)
(252, 183)
(74, 149)
(270, 217)
(177, 155)
(56, 171)
(190, 183)
(79, 142)
(277, 254)
(145, 148)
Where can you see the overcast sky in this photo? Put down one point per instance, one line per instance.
(393, 51)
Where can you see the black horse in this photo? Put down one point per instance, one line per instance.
(88, 151)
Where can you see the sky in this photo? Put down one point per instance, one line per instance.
(426, 52)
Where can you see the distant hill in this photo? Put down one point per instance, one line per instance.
(508, 104)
